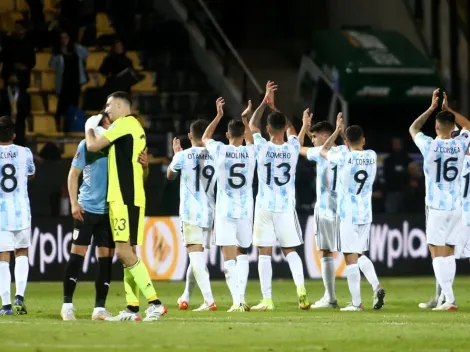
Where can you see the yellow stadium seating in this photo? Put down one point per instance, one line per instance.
(42, 62)
(50, 4)
(6, 5)
(94, 60)
(21, 5)
(44, 124)
(102, 24)
(69, 150)
(37, 104)
(95, 79)
(146, 85)
(48, 81)
(8, 20)
(135, 59)
(52, 103)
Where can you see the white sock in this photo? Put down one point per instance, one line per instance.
(368, 269)
(265, 272)
(438, 290)
(354, 283)
(95, 310)
(439, 265)
(450, 269)
(69, 305)
(21, 274)
(328, 274)
(201, 274)
(243, 269)
(5, 283)
(190, 283)
(231, 276)
(296, 268)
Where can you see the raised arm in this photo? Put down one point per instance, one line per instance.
(461, 120)
(306, 121)
(171, 173)
(331, 140)
(213, 125)
(416, 126)
(246, 116)
(255, 122)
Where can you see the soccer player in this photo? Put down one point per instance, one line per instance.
(356, 174)
(16, 167)
(442, 164)
(197, 182)
(326, 223)
(126, 197)
(275, 216)
(234, 168)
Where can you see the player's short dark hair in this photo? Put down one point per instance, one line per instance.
(455, 133)
(236, 128)
(322, 126)
(7, 129)
(101, 123)
(121, 95)
(198, 128)
(354, 134)
(446, 118)
(276, 120)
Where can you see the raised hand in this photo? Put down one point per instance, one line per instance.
(220, 107)
(271, 87)
(445, 102)
(435, 99)
(177, 145)
(307, 118)
(143, 159)
(247, 113)
(339, 121)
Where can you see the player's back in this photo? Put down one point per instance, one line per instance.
(465, 190)
(357, 176)
(276, 174)
(235, 168)
(196, 185)
(442, 163)
(16, 164)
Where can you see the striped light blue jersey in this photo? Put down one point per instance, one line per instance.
(16, 164)
(197, 182)
(94, 188)
(442, 164)
(465, 187)
(276, 174)
(327, 182)
(235, 169)
(357, 170)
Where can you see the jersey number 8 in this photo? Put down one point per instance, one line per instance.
(7, 173)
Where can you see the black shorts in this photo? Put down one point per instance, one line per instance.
(96, 226)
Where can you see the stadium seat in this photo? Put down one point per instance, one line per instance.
(102, 24)
(52, 103)
(48, 81)
(146, 85)
(9, 19)
(6, 6)
(95, 80)
(44, 124)
(42, 62)
(37, 104)
(21, 5)
(94, 60)
(134, 57)
(69, 150)
(50, 4)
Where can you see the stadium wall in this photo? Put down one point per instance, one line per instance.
(397, 247)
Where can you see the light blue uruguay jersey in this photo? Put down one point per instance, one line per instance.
(327, 182)
(276, 174)
(16, 164)
(357, 170)
(465, 189)
(197, 182)
(93, 190)
(442, 164)
(234, 169)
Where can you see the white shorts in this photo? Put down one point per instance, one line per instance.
(233, 232)
(462, 249)
(443, 227)
(353, 238)
(326, 232)
(193, 234)
(11, 240)
(270, 227)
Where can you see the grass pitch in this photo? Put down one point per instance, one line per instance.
(399, 326)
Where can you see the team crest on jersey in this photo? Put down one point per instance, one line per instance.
(465, 135)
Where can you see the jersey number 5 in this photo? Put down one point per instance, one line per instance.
(239, 175)
(7, 173)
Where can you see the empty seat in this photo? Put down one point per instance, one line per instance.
(21, 5)
(69, 150)
(37, 104)
(94, 60)
(42, 61)
(146, 85)
(48, 81)
(50, 4)
(44, 124)
(102, 24)
(52, 103)
(6, 6)
(134, 57)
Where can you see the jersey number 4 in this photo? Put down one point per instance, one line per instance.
(8, 181)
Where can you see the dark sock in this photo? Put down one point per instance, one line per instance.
(156, 302)
(21, 298)
(103, 279)
(71, 276)
(7, 306)
(133, 309)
